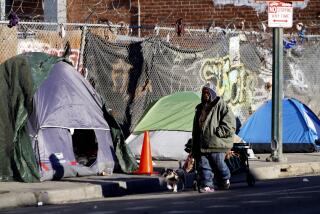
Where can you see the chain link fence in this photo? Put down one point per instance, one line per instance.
(50, 38)
(132, 72)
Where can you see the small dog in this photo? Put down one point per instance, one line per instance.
(175, 179)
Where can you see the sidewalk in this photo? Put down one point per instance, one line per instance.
(297, 164)
(13, 194)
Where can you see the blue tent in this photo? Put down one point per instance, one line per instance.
(301, 128)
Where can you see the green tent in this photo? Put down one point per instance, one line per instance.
(169, 121)
(174, 112)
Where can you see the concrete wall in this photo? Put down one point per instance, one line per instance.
(55, 11)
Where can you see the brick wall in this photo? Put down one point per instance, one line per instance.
(198, 13)
(88, 11)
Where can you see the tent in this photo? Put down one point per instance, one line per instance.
(301, 128)
(169, 121)
(59, 124)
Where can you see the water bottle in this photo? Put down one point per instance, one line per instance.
(108, 168)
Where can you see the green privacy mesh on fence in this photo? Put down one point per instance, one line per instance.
(131, 72)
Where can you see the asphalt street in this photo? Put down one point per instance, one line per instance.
(291, 195)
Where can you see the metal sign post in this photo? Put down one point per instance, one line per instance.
(277, 94)
(279, 16)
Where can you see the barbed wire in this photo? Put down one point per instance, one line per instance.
(29, 10)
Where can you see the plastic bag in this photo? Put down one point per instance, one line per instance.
(189, 163)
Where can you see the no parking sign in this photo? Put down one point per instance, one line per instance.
(280, 14)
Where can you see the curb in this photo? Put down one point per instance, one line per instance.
(88, 188)
(61, 196)
(119, 185)
(285, 170)
(8, 200)
(58, 196)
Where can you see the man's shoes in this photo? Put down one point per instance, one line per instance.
(206, 189)
(226, 184)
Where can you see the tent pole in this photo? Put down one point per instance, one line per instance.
(277, 95)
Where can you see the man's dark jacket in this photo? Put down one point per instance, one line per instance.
(216, 134)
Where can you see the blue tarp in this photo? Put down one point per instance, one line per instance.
(301, 128)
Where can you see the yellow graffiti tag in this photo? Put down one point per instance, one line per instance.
(231, 81)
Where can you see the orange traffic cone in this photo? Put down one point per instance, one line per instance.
(145, 166)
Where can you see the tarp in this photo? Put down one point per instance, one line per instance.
(169, 121)
(131, 76)
(63, 101)
(300, 129)
(17, 85)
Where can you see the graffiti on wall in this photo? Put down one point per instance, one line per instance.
(32, 45)
(233, 82)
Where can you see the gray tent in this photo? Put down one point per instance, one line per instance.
(66, 104)
(71, 133)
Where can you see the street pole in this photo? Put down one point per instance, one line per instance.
(277, 95)
(139, 19)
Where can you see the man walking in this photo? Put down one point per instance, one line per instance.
(212, 135)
